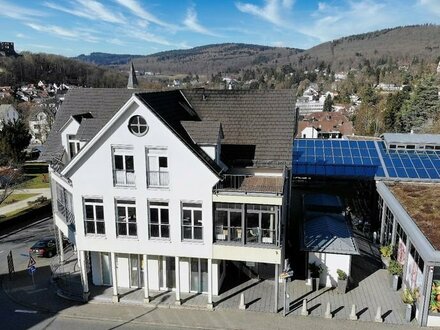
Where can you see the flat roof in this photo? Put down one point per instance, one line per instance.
(405, 138)
(422, 202)
(363, 159)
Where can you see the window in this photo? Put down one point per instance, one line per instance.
(157, 171)
(123, 162)
(94, 216)
(192, 225)
(159, 220)
(64, 204)
(126, 218)
(228, 226)
(138, 125)
(261, 221)
(74, 145)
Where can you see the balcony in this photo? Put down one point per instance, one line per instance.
(158, 179)
(245, 184)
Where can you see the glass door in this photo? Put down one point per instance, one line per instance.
(105, 269)
(134, 270)
(199, 275)
(170, 272)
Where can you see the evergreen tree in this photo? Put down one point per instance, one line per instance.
(423, 105)
(328, 103)
(14, 138)
(393, 106)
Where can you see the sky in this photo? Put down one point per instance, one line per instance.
(73, 27)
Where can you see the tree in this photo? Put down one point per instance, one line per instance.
(422, 106)
(328, 103)
(14, 138)
(393, 106)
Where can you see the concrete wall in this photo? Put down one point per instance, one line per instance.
(330, 263)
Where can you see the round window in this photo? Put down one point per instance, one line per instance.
(138, 125)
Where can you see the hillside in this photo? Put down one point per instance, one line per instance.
(31, 68)
(400, 45)
(106, 58)
(210, 59)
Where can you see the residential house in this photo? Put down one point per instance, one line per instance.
(324, 125)
(8, 114)
(175, 190)
(40, 123)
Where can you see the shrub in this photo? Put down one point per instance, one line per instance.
(395, 268)
(386, 250)
(315, 269)
(410, 296)
(341, 274)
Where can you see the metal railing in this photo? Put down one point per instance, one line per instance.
(158, 178)
(230, 182)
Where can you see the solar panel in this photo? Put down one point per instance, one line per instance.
(371, 159)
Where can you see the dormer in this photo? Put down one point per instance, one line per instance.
(207, 135)
(69, 140)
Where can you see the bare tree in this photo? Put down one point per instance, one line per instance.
(10, 178)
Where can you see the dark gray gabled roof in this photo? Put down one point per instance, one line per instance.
(203, 132)
(257, 124)
(172, 109)
(102, 103)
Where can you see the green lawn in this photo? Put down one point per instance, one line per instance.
(13, 198)
(35, 181)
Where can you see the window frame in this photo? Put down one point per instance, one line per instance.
(185, 207)
(94, 202)
(123, 152)
(131, 125)
(126, 204)
(74, 145)
(163, 173)
(152, 204)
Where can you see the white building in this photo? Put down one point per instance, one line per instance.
(163, 190)
(8, 114)
(40, 123)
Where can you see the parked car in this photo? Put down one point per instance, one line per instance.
(46, 247)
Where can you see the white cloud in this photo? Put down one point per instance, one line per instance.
(431, 5)
(193, 24)
(331, 22)
(273, 11)
(278, 44)
(19, 13)
(143, 14)
(90, 9)
(75, 34)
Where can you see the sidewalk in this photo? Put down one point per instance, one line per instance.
(45, 192)
(42, 297)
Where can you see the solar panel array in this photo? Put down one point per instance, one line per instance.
(348, 158)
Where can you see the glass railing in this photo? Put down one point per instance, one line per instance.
(158, 178)
(124, 178)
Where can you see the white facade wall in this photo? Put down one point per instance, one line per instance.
(190, 180)
(330, 263)
(309, 133)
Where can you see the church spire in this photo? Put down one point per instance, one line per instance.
(132, 80)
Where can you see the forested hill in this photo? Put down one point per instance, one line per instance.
(31, 68)
(106, 58)
(401, 45)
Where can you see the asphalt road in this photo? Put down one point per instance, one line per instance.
(12, 315)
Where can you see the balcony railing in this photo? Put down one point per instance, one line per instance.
(124, 178)
(253, 235)
(158, 178)
(250, 184)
